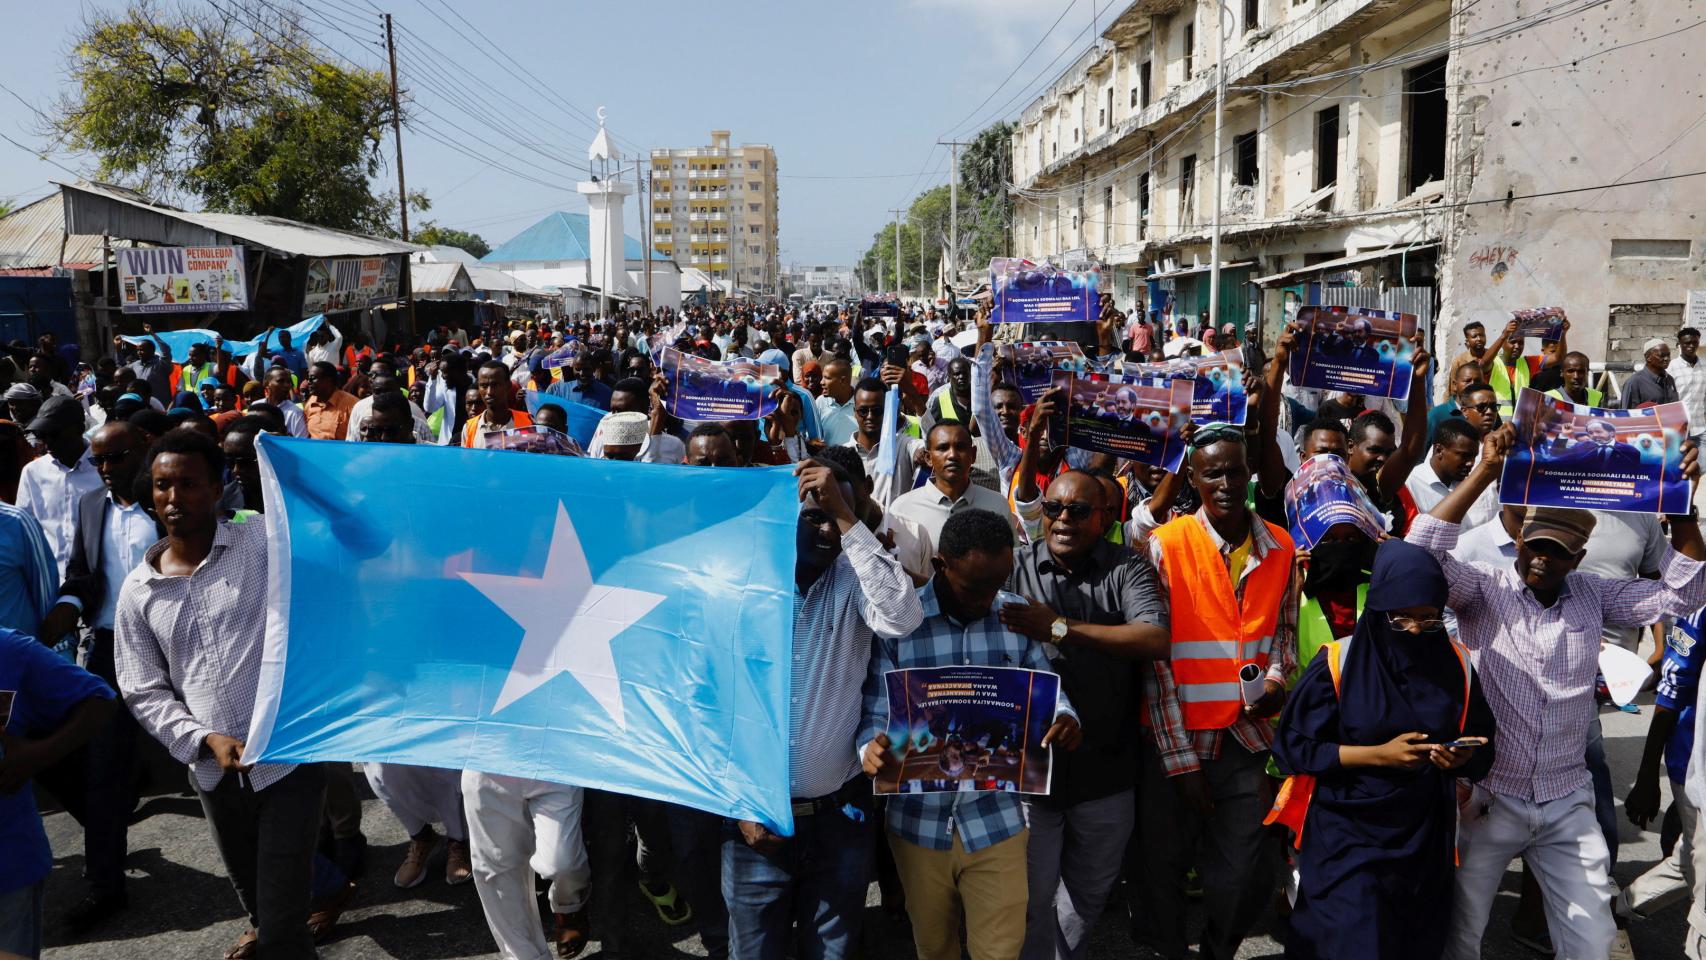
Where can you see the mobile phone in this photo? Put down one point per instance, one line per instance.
(895, 355)
(1465, 742)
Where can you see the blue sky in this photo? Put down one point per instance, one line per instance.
(853, 95)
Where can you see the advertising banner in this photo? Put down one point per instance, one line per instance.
(1354, 349)
(1138, 418)
(1574, 455)
(181, 279)
(1546, 323)
(1031, 366)
(350, 283)
(1027, 292)
(1322, 495)
(968, 729)
(1218, 391)
(701, 389)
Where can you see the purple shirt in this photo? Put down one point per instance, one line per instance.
(1536, 663)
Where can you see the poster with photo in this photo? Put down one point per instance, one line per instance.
(1323, 494)
(879, 305)
(1354, 349)
(1031, 366)
(1026, 292)
(701, 389)
(1544, 323)
(969, 729)
(1218, 391)
(351, 283)
(1585, 458)
(1137, 418)
(530, 439)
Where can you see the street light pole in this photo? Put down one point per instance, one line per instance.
(1219, 109)
(898, 273)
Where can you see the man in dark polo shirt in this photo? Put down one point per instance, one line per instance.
(1096, 608)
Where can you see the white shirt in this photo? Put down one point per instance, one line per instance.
(886, 489)
(1624, 546)
(125, 540)
(295, 423)
(49, 491)
(1427, 489)
(1691, 388)
(929, 507)
(364, 408)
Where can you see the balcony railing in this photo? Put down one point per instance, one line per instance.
(698, 174)
(708, 195)
(708, 217)
(661, 216)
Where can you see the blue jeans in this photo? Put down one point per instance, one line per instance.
(817, 880)
(20, 920)
(1604, 799)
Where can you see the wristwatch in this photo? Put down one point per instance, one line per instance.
(1057, 630)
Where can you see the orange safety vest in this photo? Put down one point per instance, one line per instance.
(1214, 635)
(1291, 805)
(518, 418)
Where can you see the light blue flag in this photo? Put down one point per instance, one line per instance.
(621, 626)
(181, 340)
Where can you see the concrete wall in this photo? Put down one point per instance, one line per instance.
(1623, 115)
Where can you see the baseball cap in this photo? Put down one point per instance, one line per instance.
(777, 357)
(58, 413)
(1568, 528)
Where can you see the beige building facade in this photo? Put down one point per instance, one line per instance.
(715, 208)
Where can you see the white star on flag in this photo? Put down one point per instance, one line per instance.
(568, 622)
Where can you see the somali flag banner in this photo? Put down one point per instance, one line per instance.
(621, 626)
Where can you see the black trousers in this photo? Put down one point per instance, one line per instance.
(96, 783)
(266, 838)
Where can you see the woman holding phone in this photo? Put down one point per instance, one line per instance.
(1386, 723)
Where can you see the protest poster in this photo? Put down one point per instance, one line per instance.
(350, 283)
(701, 389)
(1585, 458)
(1026, 292)
(563, 356)
(1323, 494)
(1545, 323)
(1218, 384)
(877, 305)
(530, 439)
(966, 729)
(1354, 349)
(181, 279)
(1138, 418)
(1031, 366)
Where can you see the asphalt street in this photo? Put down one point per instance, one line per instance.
(182, 906)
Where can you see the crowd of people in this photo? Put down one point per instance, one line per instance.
(1360, 737)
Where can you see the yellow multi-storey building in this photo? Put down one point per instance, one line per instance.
(714, 208)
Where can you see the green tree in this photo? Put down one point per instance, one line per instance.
(239, 112)
(432, 234)
(984, 214)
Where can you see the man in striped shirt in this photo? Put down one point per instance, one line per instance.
(1535, 630)
(847, 590)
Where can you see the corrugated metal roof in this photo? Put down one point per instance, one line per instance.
(98, 209)
(435, 277)
(30, 235)
(560, 236)
(487, 279)
(443, 253)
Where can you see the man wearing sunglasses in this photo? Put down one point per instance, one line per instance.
(1228, 581)
(869, 400)
(1095, 607)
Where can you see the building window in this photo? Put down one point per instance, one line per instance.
(1110, 107)
(753, 207)
(1678, 250)
(1107, 214)
(1143, 84)
(1190, 44)
(754, 187)
(1327, 147)
(752, 164)
(1425, 123)
(1252, 14)
(1142, 206)
(1245, 170)
(1187, 189)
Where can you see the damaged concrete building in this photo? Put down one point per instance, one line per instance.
(1360, 145)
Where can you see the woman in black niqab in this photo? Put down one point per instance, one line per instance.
(1378, 846)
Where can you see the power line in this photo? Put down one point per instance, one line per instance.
(1026, 58)
(40, 156)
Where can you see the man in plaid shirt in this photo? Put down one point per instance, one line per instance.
(1534, 630)
(960, 850)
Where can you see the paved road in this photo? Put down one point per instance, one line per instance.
(182, 906)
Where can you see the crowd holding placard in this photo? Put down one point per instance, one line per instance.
(1322, 656)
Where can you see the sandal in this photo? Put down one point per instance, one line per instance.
(671, 908)
(245, 947)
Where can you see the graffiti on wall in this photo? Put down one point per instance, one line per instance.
(1496, 258)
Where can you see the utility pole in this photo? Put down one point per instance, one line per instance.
(898, 273)
(921, 261)
(397, 132)
(645, 184)
(1219, 108)
(954, 206)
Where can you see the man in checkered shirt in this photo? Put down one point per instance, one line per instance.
(1534, 630)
